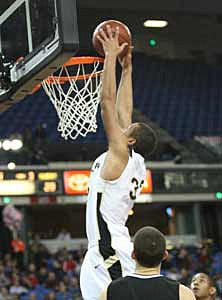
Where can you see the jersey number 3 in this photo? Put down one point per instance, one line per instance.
(136, 187)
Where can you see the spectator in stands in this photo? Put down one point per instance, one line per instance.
(183, 260)
(57, 269)
(36, 250)
(63, 293)
(41, 255)
(218, 284)
(51, 281)
(8, 265)
(173, 274)
(202, 287)
(42, 275)
(185, 277)
(4, 281)
(64, 235)
(50, 296)
(205, 260)
(69, 264)
(32, 279)
(62, 254)
(17, 288)
(168, 263)
(15, 297)
(4, 294)
(73, 287)
(32, 296)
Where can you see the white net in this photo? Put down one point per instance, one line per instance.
(76, 98)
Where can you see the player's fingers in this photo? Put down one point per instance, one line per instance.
(100, 39)
(111, 34)
(117, 33)
(124, 45)
(103, 34)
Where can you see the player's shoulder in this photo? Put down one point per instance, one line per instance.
(115, 289)
(99, 160)
(138, 156)
(186, 293)
(138, 159)
(120, 282)
(169, 280)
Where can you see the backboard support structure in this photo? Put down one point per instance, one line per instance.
(46, 37)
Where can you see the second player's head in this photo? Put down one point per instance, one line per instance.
(202, 287)
(142, 138)
(149, 247)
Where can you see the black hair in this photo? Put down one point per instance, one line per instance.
(146, 139)
(149, 247)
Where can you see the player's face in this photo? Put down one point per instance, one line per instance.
(200, 286)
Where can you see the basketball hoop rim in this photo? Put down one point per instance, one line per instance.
(76, 60)
(83, 60)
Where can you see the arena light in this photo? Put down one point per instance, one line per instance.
(16, 144)
(152, 43)
(0, 144)
(6, 200)
(155, 23)
(6, 145)
(11, 166)
(219, 195)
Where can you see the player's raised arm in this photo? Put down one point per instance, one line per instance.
(117, 155)
(124, 103)
(112, 49)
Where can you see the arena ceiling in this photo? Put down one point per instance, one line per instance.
(194, 30)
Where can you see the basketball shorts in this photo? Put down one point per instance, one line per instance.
(101, 266)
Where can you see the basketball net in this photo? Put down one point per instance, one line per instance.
(76, 98)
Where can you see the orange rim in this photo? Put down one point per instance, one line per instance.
(64, 79)
(72, 62)
(83, 60)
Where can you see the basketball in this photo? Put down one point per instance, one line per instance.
(124, 35)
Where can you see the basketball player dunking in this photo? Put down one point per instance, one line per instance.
(117, 176)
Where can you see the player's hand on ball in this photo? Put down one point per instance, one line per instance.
(110, 41)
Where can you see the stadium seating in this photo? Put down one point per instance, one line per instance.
(183, 98)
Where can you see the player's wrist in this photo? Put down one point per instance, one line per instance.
(126, 71)
(111, 54)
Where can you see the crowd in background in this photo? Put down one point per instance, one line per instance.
(55, 276)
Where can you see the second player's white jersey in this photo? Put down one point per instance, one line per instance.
(109, 202)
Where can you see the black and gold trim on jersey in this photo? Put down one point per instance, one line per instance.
(111, 260)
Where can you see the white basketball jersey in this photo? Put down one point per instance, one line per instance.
(109, 202)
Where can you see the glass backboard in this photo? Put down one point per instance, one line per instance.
(36, 38)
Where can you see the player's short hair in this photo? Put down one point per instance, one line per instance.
(149, 247)
(146, 139)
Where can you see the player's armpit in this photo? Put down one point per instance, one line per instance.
(103, 295)
(115, 162)
(186, 293)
